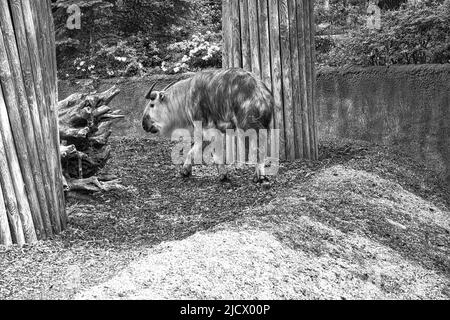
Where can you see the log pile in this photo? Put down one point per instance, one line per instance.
(84, 127)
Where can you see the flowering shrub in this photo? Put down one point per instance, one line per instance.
(199, 52)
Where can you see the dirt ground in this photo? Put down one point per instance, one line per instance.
(363, 222)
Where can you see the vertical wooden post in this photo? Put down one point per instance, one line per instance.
(5, 233)
(245, 35)
(303, 82)
(277, 75)
(254, 36)
(31, 180)
(236, 34)
(264, 44)
(279, 48)
(226, 34)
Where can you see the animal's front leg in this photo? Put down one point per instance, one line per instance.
(186, 169)
(260, 174)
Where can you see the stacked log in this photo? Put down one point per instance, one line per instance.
(85, 122)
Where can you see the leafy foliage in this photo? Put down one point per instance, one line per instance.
(133, 37)
(414, 34)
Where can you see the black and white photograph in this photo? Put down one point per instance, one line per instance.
(224, 155)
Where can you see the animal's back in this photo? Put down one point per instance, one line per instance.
(230, 99)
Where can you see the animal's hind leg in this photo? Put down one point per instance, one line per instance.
(260, 173)
(222, 172)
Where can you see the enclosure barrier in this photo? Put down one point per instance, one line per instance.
(31, 192)
(274, 39)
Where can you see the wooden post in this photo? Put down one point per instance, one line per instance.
(254, 36)
(245, 35)
(279, 48)
(31, 180)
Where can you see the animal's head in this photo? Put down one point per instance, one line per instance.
(156, 114)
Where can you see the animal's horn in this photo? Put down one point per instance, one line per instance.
(170, 84)
(150, 91)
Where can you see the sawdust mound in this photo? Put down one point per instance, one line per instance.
(346, 234)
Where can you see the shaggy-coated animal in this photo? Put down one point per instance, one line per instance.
(222, 99)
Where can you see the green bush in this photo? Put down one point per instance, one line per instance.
(133, 37)
(414, 34)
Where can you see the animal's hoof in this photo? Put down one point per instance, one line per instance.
(266, 184)
(224, 177)
(185, 172)
(261, 180)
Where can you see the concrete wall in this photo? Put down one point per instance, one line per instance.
(406, 106)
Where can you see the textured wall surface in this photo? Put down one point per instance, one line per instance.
(406, 106)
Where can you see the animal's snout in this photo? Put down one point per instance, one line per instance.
(148, 126)
(146, 123)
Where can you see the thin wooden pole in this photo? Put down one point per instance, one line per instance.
(47, 59)
(295, 69)
(236, 34)
(276, 73)
(254, 36)
(245, 35)
(229, 34)
(307, 40)
(313, 105)
(264, 43)
(5, 233)
(286, 79)
(54, 107)
(225, 35)
(303, 81)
